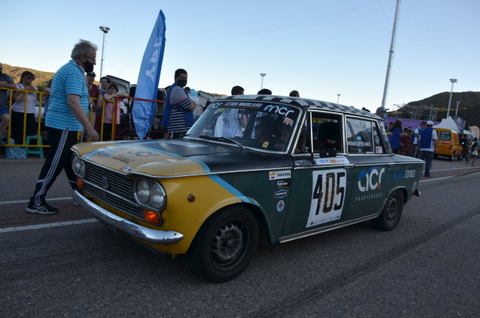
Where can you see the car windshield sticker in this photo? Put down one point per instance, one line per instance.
(328, 196)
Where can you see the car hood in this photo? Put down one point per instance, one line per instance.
(167, 158)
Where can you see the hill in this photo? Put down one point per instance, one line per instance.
(436, 107)
(41, 78)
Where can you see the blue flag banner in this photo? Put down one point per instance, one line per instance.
(148, 78)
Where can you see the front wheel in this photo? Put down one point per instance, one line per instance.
(392, 212)
(225, 245)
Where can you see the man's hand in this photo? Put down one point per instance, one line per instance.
(92, 134)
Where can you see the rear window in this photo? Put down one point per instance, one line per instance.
(444, 136)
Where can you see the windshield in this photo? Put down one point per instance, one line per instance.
(260, 125)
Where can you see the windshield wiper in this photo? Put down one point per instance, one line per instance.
(229, 140)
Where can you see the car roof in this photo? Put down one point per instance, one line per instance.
(304, 103)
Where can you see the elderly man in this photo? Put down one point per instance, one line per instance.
(6, 82)
(66, 116)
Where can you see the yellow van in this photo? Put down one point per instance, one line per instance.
(448, 144)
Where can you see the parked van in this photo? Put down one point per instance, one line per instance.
(448, 144)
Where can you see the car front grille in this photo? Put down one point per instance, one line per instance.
(111, 188)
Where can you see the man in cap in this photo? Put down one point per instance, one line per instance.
(428, 146)
(382, 112)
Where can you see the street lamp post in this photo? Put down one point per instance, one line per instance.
(453, 80)
(338, 97)
(105, 30)
(262, 75)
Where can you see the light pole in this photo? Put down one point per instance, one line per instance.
(105, 30)
(338, 98)
(262, 75)
(453, 80)
(456, 112)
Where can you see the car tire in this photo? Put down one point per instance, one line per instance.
(225, 245)
(392, 212)
(450, 158)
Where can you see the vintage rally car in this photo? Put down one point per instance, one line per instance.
(269, 168)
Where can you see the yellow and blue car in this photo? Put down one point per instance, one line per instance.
(252, 168)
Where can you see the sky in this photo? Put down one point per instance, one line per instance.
(327, 50)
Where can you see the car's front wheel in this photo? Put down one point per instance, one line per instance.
(391, 213)
(226, 244)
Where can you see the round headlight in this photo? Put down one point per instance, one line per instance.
(143, 191)
(78, 166)
(157, 196)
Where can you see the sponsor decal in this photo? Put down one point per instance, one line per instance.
(369, 197)
(378, 149)
(278, 175)
(123, 158)
(142, 153)
(280, 194)
(370, 179)
(397, 175)
(280, 205)
(283, 184)
(336, 160)
(125, 168)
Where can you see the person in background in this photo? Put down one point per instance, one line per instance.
(198, 111)
(178, 114)
(294, 93)
(67, 115)
(104, 84)
(46, 98)
(19, 108)
(416, 143)
(109, 106)
(474, 151)
(428, 146)
(237, 90)
(264, 91)
(382, 112)
(5, 82)
(395, 136)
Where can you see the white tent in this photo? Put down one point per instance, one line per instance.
(449, 123)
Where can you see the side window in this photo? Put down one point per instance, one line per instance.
(324, 131)
(359, 136)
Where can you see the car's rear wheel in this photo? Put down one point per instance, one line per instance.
(391, 213)
(225, 245)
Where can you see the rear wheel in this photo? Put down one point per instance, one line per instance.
(225, 245)
(391, 213)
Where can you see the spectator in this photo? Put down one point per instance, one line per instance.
(395, 136)
(264, 91)
(407, 142)
(67, 115)
(46, 98)
(109, 106)
(104, 84)
(237, 90)
(5, 82)
(416, 133)
(20, 107)
(382, 112)
(294, 93)
(474, 151)
(178, 114)
(428, 146)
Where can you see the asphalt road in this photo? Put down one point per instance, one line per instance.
(69, 265)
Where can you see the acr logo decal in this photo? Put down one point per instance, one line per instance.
(370, 179)
(277, 109)
(277, 175)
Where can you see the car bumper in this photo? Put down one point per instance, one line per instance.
(130, 228)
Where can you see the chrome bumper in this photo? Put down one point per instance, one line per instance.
(133, 229)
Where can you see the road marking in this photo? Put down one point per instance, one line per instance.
(46, 225)
(26, 201)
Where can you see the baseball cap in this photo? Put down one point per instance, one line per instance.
(381, 109)
(91, 74)
(429, 123)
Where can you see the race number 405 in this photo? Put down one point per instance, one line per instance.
(328, 196)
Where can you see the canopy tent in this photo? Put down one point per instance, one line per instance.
(449, 123)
